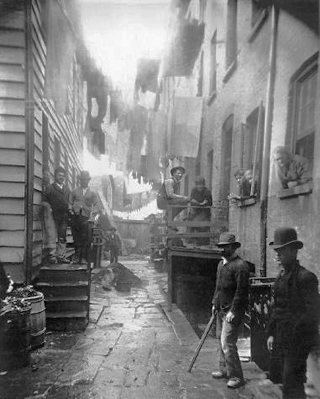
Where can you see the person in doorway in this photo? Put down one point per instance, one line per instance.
(168, 193)
(83, 207)
(292, 169)
(229, 302)
(200, 200)
(293, 327)
(57, 196)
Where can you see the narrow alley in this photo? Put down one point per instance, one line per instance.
(132, 348)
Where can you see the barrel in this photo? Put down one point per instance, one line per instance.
(15, 339)
(37, 319)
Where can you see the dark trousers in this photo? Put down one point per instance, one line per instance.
(61, 226)
(227, 334)
(290, 369)
(177, 201)
(80, 235)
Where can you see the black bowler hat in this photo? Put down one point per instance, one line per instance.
(227, 239)
(284, 236)
(177, 168)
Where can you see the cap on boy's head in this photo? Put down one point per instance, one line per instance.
(84, 175)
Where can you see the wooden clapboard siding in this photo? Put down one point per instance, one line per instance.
(64, 129)
(12, 143)
(12, 222)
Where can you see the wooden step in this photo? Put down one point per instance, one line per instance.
(63, 273)
(67, 304)
(63, 289)
(67, 321)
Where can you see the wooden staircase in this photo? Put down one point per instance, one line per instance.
(66, 289)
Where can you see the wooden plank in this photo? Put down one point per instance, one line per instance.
(38, 50)
(12, 206)
(12, 190)
(12, 140)
(37, 224)
(38, 84)
(189, 224)
(9, 55)
(37, 197)
(12, 90)
(37, 260)
(11, 73)
(37, 25)
(11, 107)
(187, 235)
(12, 38)
(11, 254)
(37, 236)
(12, 157)
(14, 20)
(12, 173)
(37, 168)
(12, 222)
(14, 239)
(37, 154)
(12, 123)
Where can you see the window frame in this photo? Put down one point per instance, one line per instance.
(309, 67)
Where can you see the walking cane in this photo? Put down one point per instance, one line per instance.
(203, 338)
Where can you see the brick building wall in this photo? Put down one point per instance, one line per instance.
(239, 92)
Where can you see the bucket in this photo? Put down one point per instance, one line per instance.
(14, 339)
(37, 320)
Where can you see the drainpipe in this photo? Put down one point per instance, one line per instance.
(29, 148)
(267, 141)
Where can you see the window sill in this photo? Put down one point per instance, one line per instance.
(304, 189)
(230, 71)
(258, 25)
(212, 96)
(247, 202)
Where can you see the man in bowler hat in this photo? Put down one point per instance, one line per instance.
(293, 327)
(168, 193)
(83, 207)
(229, 302)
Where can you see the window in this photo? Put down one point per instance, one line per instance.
(257, 11)
(249, 144)
(302, 108)
(213, 63)
(231, 39)
(306, 91)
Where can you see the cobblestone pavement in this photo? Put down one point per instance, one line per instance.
(132, 349)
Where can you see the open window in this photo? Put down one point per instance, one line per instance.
(301, 122)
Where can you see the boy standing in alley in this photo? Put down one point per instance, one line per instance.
(57, 195)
